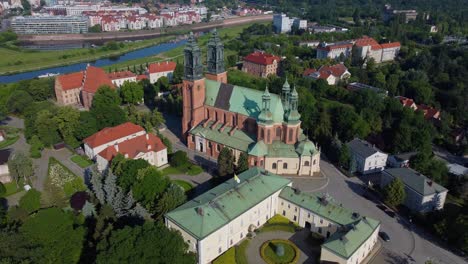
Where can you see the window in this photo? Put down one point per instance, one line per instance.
(284, 213)
(289, 206)
(290, 136)
(231, 242)
(307, 163)
(209, 145)
(218, 148)
(261, 163)
(285, 165)
(268, 135)
(295, 218)
(308, 215)
(315, 161)
(193, 138)
(219, 250)
(241, 235)
(320, 230)
(295, 209)
(273, 166)
(321, 221)
(278, 132)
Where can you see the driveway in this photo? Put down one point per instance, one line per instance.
(307, 251)
(407, 241)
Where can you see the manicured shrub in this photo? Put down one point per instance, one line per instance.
(31, 201)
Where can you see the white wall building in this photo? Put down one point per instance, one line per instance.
(366, 157)
(422, 194)
(161, 69)
(118, 78)
(223, 216)
(4, 171)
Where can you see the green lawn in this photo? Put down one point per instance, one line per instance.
(279, 223)
(185, 185)
(228, 257)
(241, 257)
(11, 189)
(81, 161)
(290, 253)
(9, 141)
(27, 60)
(192, 170)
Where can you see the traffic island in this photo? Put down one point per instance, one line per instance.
(279, 251)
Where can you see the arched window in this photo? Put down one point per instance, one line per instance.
(278, 132)
(307, 163)
(273, 166)
(285, 165)
(261, 163)
(315, 161)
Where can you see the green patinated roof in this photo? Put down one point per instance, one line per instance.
(241, 100)
(306, 148)
(259, 149)
(238, 140)
(346, 241)
(354, 230)
(281, 149)
(312, 202)
(220, 205)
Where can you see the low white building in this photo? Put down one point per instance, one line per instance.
(331, 74)
(366, 157)
(4, 171)
(422, 194)
(223, 216)
(110, 136)
(161, 69)
(118, 78)
(3, 136)
(148, 147)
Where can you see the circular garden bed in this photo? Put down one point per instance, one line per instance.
(279, 251)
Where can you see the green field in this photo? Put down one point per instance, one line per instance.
(20, 60)
(185, 185)
(81, 161)
(11, 188)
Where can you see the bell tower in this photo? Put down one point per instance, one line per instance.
(292, 118)
(215, 59)
(193, 87)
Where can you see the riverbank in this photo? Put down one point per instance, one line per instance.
(20, 60)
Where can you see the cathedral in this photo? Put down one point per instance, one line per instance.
(266, 126)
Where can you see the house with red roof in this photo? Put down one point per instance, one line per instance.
(365, 47)
(430, 113)
(161, 69)
(128, 139)
(331, 74)
(261, 64)
(78, 88)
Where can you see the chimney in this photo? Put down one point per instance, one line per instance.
(148, 147)
(430, 183)
(147, 136)
(116, 146)
(126, 155)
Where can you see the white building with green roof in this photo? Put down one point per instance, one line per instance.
(266, 126)
(223, 216)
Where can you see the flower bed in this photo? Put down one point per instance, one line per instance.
(268, 252)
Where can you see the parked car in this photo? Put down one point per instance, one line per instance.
(390, 213)
(384, 236)
(382, 207)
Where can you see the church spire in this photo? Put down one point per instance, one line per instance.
(215, 54)
(265, 115)
(285, 92)
(293, 115)
(193, 69)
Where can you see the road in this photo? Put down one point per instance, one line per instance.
(144, 33)
(406, 240)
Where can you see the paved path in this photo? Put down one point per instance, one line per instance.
(308, 253)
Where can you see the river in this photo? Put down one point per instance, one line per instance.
(141, 53)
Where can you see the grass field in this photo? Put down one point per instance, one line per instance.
(185, 185)
(20, 60)
(11, 189)
(228, 257)
(9, 141)
(80, 161)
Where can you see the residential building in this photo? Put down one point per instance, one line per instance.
(409, 14)
(422, 194)
(310, 44)
(281, 23)
(78, 88)
(401, 160)
(355, 86)
(49, 25)
(148, 147)
(223, 216)
(457, 170)
(331, 74)
(327, 29)
(430, 113)
(263, 125)
(4, 171)
(261, 64)
(128, 139)
(161, 69)
(365, 157)
(364, 48)
(118, 78)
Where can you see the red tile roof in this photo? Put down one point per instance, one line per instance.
(366, 41)
(429, 112)
(132, 147)
(405, 101)
(70, 81)
(308, 72)
(109, 134)
(262, 58)
(162, 67)
(390, 45)
(94, 78)
(335, 70)
(121, 75)
(335, 46)
(141, 77)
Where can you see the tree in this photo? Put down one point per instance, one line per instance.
(36, 147)
(132, 92)
(345, 156)
(172, 198)
(89, 210)
(137, 244)
(87, 125)
(58, 233)
(225, 162)
(2, 189)
(19, 100)
(394, 192)
(129, 171)
(47, 128)
(179, 159)
(68, 120)
(31, 201)
(20, 167)
(150, 186)
(178, 73)
(15, 247)
(242, 163)
(105, 108)
(162, 84)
